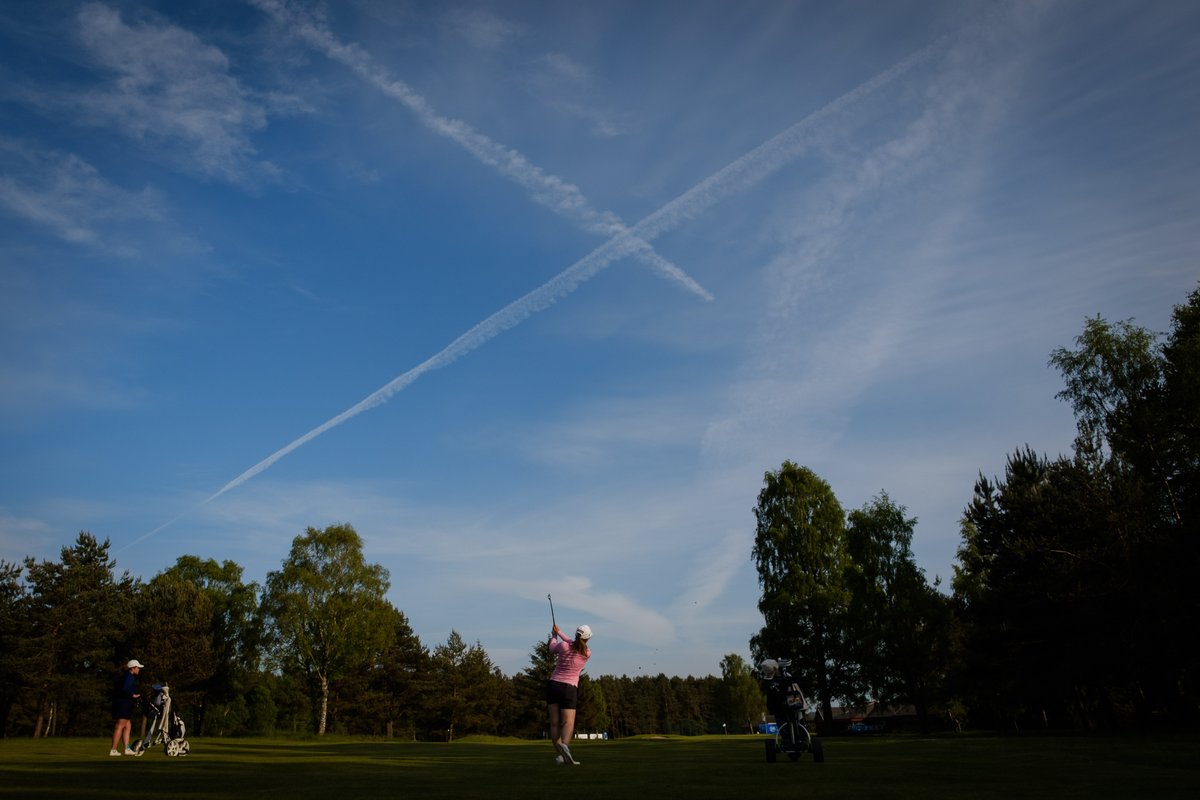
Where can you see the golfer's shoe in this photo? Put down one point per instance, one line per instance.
(114, 752)
(566, 754)
(130, 751)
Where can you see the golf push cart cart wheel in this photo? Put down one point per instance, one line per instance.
(794, 740)
(177, 747)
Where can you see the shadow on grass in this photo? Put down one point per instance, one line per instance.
(692, 768)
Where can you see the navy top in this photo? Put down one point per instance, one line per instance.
(123, 691)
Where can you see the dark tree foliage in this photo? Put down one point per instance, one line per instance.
(173, 637)
(465, 690)
(13, 634)
(196, 625)
(592, 716)
(235, 637)
(395, 680)
(740, 697)
(899, 629)
(530, 718)
(1074, 571)
(79, 616)
(1042, 593)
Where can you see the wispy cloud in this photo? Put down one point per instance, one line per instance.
(739, 175)
(482, 28)
(548, 190)
(711, 573)
(168, 88)
(69, 197)
(806, 384)
(560, 82)
(24, 534)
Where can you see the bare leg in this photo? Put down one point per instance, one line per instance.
(554, 713)
(567, 729)
(121, 730)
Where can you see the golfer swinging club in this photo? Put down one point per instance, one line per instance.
(562, 691)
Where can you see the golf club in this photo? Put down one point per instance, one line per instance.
(552, 620)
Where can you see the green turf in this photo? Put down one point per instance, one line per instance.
(660, 768)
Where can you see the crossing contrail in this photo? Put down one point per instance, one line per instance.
(738, 175)
(548, 190)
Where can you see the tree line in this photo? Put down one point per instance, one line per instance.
(1069, 605)
(317, 648)
(1071, 602)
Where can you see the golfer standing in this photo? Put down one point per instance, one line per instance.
(124, 696)
(562, 691)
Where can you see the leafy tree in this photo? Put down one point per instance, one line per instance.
(325, 610)
(1108, 378)
(174, 638)
(235, 630)
(799, 552)
(1137, 405)
(741, 698)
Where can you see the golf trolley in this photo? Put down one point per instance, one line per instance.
(786, 703)
(166, 727)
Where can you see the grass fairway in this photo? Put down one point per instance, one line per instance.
(661, 768)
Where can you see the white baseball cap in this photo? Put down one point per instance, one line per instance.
(583, 632)
(134, 663)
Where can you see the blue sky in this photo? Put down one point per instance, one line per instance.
(532, 294)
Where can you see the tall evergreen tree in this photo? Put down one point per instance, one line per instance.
(79, 616)
(13, 632)
(529, 690)
(465, 688)
(397, 679)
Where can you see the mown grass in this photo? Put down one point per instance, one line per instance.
(655, 767)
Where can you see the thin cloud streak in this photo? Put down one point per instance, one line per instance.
(67, 195)
(742, 173)
(547, 190)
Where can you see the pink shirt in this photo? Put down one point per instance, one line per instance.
(569, 662)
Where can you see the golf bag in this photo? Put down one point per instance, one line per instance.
(165, 726)
(786, 703)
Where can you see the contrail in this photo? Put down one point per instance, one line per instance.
(755, 165)
(548, 190)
